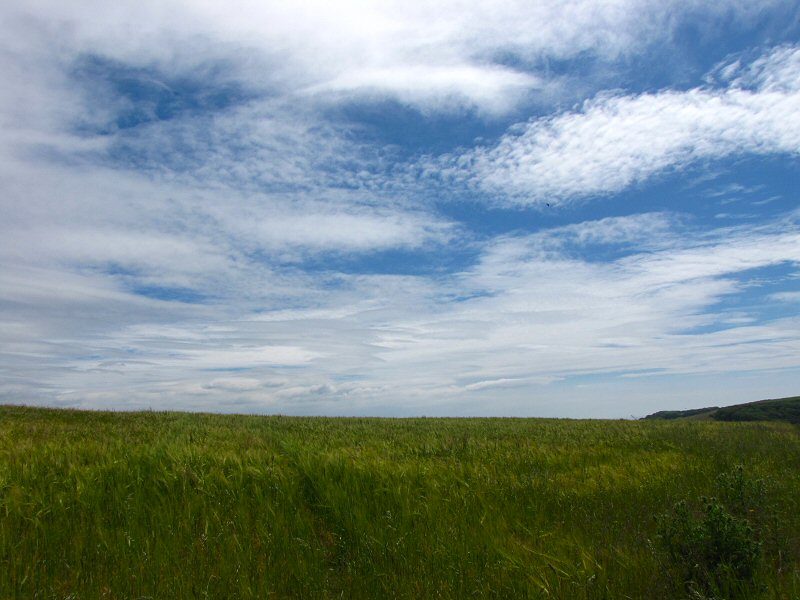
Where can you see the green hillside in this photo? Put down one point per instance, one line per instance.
(784, 409)
(781, 409)
(694, 413)
(97, 505)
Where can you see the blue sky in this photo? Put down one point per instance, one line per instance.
(576, 209)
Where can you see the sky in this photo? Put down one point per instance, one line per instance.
(538, 208)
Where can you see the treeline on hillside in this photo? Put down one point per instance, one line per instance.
(785, 409)
(781, 409)
(668, 415)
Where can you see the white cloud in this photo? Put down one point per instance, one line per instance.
(241, 358)
(530, 320)
(185, 263)
(150, 232)
(497, 89)
(615, 141)
(420, 52)
(791, 297)
(652, 230)
(305, 228)
(774, 72)
(234, 384)
(509, 382)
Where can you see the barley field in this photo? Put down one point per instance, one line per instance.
(100, 505)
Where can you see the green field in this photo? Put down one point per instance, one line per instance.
(165, 505)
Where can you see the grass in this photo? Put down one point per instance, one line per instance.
(169, 505)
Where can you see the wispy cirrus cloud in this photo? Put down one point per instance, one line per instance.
(615, 141)
(792, 297)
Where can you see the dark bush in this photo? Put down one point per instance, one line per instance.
(710, 549)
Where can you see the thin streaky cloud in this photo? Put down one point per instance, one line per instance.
(616, 141)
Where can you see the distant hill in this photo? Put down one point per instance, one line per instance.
(696, 413)
(780, 409)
